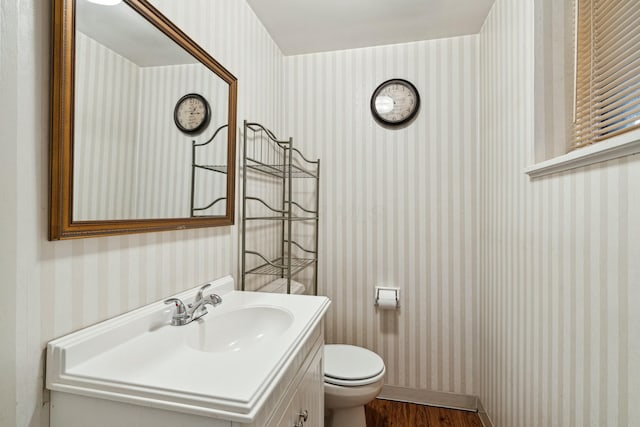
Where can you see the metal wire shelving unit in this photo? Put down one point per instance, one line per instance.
(265, 154)
(222, 169)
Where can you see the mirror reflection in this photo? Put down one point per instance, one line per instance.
(131, 159)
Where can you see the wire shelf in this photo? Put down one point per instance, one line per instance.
(277, 266)
(215, 168)
(281, 218)
(280, 171)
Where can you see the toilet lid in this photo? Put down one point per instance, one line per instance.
(351, 365)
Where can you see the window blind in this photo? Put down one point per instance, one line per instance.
(607, 69)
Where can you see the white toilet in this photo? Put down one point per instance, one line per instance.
(353, 377)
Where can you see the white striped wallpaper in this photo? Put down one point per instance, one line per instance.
(559, 339)
(398, 207)
(62, 286)
(106, 122)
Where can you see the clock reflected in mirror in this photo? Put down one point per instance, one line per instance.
(395, 103)
(192, 113)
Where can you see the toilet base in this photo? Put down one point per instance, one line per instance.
(344, 406)
(346, 417)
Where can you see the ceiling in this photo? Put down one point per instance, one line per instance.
(116, 27)
(306, 26)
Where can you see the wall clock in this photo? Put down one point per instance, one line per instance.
(192, 113)
(395, 102)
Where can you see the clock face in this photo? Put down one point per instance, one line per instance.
(192, 113)
(395, 102)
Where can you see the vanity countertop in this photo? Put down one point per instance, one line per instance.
(140, 358)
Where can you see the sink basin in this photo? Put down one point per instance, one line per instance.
(238, 329)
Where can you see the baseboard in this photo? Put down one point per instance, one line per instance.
(432, 398)
(484, 417)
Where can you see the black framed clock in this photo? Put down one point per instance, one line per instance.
(395, 102)
(192, 113)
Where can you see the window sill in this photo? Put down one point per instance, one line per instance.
(620, 146)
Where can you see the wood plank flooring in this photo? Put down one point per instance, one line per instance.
(387, 413)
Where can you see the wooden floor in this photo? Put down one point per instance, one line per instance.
(386, 413)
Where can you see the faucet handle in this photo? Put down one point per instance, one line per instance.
(180, 308)
(200, 293)
(181, 316)
(214, 299)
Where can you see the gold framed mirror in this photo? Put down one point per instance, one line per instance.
(143, 123)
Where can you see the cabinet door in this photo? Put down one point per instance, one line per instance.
(311, 393)
(291, 415)
(308, 398)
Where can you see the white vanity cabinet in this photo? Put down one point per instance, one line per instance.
(301, 390)
(134, 370)
(304, 406)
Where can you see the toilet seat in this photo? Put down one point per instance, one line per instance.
(351, 366)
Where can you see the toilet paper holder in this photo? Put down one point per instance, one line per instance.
(385, 295)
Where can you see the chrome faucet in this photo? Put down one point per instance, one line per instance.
(187, 314)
